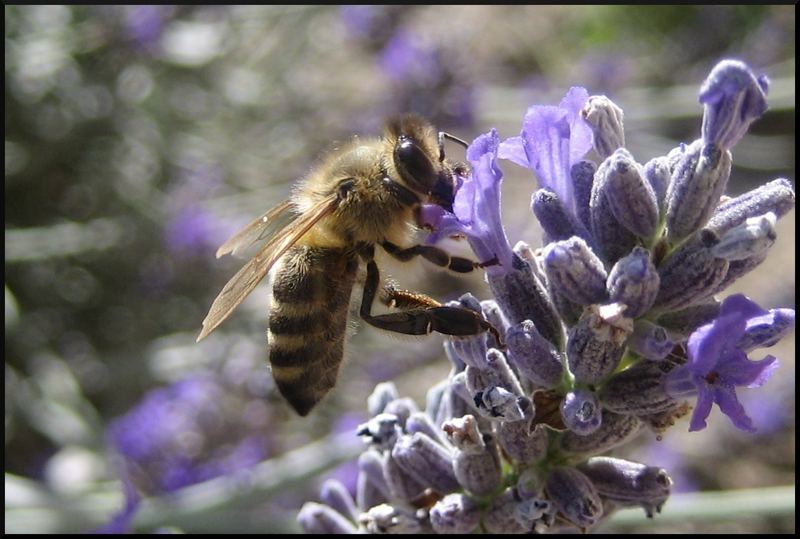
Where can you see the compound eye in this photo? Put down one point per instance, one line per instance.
(414, 166)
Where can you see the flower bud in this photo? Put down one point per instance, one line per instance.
(476, 463)
(492, 313)
(387, 519)
(455, 513)
(631, 198)
(522, 297)
(334, 494)
(470, 349)
(575, 271)
(751, 238)
(427, 462)
(534, 356)
(421, 422)
(367, 494)
(552, 215)
(732, 99)
(737, 269)
(690, 274)
(434, 398)
(629, 483)
(402, 485)
(383, 394)
(381, 431)
(582, 175)
(634, 282)
(320, 519)
(402, 409)
(776, 197)
(638, 390)
(698, 181)
(650, 341)
(569, 311)
(521, 444)
(574, 496)
(581, 411)
(765, 331)
(613, 239)
(597, 342)
(605, 117)
(370, 465)
(657, 173)
(614, 430)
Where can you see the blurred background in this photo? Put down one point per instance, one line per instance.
(138, 138)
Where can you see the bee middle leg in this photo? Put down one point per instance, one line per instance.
(423, 315)
(436, 256)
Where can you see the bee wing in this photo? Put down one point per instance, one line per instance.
(257, 268)
(255, 230)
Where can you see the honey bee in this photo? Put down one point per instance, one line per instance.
(366, 193)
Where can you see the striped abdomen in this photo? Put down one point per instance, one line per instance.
(307, 323)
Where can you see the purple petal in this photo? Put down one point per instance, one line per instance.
(731, 407)
(513, 149)
(702, 408)
(554, 139)
(742, 306)
(740, 371)
(581, 135)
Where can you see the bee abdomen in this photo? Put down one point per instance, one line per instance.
(311, 296)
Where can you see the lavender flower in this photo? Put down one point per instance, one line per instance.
(476, 208)
(633, 256)
(716, 365)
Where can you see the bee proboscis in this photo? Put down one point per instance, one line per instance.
(365, 193)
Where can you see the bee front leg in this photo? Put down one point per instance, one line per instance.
(436, 256)
(424, 316)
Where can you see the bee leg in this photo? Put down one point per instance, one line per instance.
(425, 316)
(436, 256)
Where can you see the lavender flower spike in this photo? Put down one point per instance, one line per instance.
(732, 99)
(716, 365)
(552, 140)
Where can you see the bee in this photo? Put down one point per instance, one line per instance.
(364, 194)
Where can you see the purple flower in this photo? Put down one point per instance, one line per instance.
(189, 432)
(192, 230)
(732, 98)
(407, 58)
(552, 140)
(476, 208)
(716, 365)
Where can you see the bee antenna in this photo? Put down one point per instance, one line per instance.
(448, 136)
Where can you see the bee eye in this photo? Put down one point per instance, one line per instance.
(413, 165)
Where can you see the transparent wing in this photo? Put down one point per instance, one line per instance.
(257, 268)
(255, 230)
